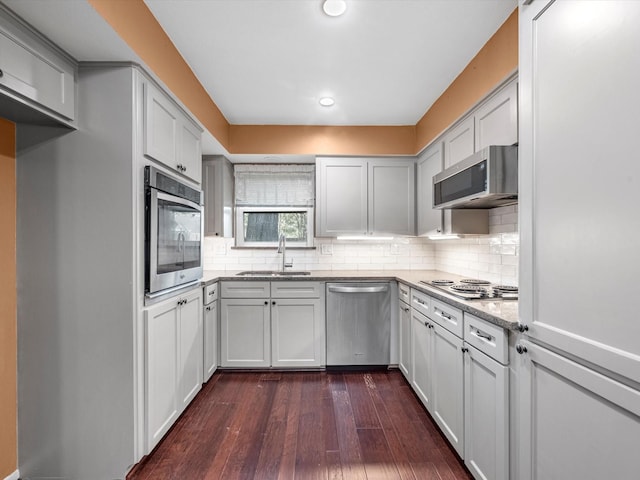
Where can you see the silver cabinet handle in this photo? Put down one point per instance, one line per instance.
(404, 292)
(421, 302)
(478, 333)
(442, 314)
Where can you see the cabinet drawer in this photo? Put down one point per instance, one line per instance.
(210, 293)
(487, 338)
(404, 293)
(447, 316)
(421, 302)
(244, 289)
(293, 289)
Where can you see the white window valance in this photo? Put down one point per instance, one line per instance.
(275, 185)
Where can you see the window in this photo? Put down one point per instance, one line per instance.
(274, 200)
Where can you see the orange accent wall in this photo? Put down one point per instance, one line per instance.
(8, 325)
(493, 63)
(321, 140)
(137, 26)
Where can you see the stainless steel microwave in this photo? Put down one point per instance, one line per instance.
(486, 179)
(173, 232)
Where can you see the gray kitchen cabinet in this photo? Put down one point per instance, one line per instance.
(404, 334)
(580, 373)
(341, 196)
(170, 136)
(459, 142)
(210, 330)
(575, 422)
(422, 356)
(34, 72)
(279, 324)
(173, 361)
(496, 120)
(429, 163)
(486, 399)
(447, 388)
(245, 332)
(217, 186)
(361, 196)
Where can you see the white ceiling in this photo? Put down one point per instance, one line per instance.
(269, 61)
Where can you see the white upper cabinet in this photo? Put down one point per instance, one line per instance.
(34, 72)
(459, 142)
(392, 196)
(170, 137)
(341, 196)
(429, 163)
(496, 120)
(360, 196)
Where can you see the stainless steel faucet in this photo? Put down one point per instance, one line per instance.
(282, 248)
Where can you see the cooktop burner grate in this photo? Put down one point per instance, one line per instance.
(469, 289)
(442, 282)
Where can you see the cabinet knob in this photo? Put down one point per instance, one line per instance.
(464, 350)
(266, 303)
(1, 73)
(521, 349)
(273, 303)
(523, 328)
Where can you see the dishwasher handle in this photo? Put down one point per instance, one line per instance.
(358, 289)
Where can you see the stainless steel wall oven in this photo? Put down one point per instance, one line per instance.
(173, 232)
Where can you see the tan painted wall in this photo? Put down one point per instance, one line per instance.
(493, 63)
(135, 23)
(8, 326)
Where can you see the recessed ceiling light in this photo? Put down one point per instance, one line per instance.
(327, 101)
(334, 8)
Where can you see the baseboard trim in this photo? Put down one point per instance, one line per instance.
(14, 476)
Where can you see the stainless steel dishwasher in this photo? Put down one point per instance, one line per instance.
(358, 323)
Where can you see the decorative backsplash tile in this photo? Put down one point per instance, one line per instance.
(491, 257)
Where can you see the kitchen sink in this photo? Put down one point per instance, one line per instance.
(271, 273)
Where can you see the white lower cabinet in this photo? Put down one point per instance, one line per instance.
(569, 415)
(486, 416)
(210, 330)
(404, 316)
(245, 332)
(447, 390)
(421, 352)
(272, 331)
(173, 361)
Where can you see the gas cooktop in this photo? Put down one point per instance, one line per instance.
(473, 289)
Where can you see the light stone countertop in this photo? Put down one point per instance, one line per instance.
(503, 313)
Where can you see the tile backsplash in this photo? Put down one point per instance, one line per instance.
(492, 257)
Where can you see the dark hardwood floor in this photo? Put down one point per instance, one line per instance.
(304, 425)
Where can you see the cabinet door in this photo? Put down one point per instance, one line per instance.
(245, 333)
(404, 315)
(421, 352)
(429, 164)
(392, 196)
(341, 186)
(496, 121)
(297, 332)
(32, 72)
(191, 343)
(161, 127)
(563, 124)
(190, 150)
(162, 365)
(210, 339)
(217, 186)
(486, 416)
(447, 391)
(575, 422)
(459, 142)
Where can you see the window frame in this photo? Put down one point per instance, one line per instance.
(239, 226)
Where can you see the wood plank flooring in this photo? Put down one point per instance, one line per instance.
(304, 425)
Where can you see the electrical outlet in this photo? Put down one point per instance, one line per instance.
(326, 249)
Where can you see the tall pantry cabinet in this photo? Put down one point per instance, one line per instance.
(80, 282)
(579, 361)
